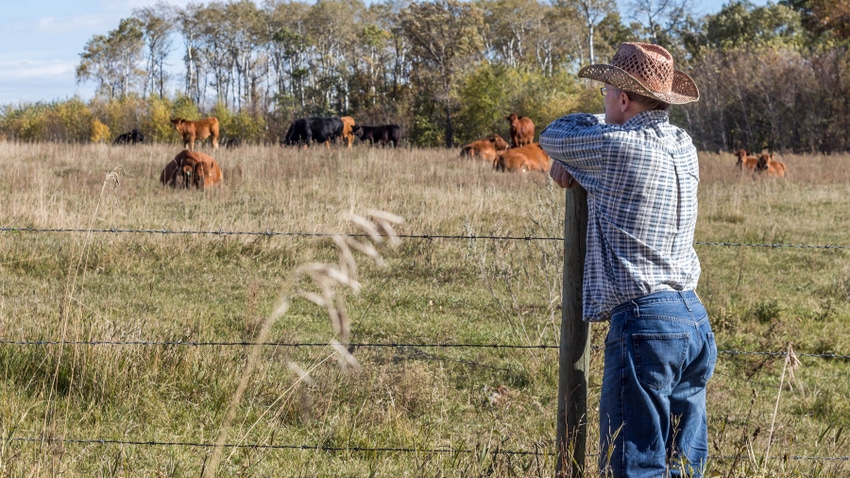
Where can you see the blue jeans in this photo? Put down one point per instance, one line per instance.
(659, 355)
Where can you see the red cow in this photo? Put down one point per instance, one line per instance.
(200, 130)
(530, 157)
(485, 149)
(192, 168)
(745, 162)
(522, 130)
(348, 124)
(767, 165)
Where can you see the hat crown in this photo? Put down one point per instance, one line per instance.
(650, 64)
(647, 70)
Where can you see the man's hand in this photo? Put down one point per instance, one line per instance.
(561, 176)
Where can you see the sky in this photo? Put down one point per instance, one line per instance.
(41, 42)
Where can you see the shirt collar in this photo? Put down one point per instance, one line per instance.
(646, 118)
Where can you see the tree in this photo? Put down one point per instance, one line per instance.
(558, 43)
(444, 37)
(829, 18)
(243, 35)
(592, 12)
(742, 24)
(112, 59)
(288, 51)
(399, 59)
(509, 24)
(370, 62)
(157, 23)
(191, 25)
(660, 18)
(612, 33)
(332, 32)
(211, 32)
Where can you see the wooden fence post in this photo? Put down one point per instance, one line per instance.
(575, 343)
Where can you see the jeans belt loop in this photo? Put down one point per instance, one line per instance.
(637, 308)
(685, 301)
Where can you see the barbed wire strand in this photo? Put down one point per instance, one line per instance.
(190, 343)
(257, 446)
(270, 233)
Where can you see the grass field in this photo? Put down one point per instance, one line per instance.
(152, 323)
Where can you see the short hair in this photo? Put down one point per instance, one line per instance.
(649, 103)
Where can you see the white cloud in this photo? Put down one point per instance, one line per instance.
(90, 23)
(29, 80)
(146, 3)
(42, 67)
(23, 69)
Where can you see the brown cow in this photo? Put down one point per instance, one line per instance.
(522, 130)
(485, 149)
(347, 128)
(192, 168)
(745, 162)
(530, 157)
(766, 164)
(200, 130)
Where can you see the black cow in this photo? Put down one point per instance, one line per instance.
(132, 137)
(232, 143)
(383, 134)
(307, 130)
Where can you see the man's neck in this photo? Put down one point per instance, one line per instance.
(633, 110)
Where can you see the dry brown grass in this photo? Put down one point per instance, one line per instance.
(217, 288)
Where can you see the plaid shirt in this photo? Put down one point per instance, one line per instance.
(641, 180)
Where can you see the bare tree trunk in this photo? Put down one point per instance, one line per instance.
(449, 127)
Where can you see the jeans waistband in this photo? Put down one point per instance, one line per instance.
(687, 297)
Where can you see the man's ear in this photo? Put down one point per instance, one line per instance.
(623, 101)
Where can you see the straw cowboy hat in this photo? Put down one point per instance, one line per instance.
(647, 70)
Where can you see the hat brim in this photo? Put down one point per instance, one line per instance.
(684, 90)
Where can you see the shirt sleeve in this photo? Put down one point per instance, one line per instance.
(579, 142)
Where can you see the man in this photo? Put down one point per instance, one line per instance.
(641, 176)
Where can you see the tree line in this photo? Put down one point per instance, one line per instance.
(771, 77)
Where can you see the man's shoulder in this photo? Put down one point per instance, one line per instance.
(572, 121)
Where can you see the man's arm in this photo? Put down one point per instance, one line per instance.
(576, 142)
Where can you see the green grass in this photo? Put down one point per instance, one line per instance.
(445, 402)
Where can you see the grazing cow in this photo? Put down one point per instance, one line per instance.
(530, 157)
(131, 137)
(745, 162)
(347, 130)
(200, 130)
(522, 130)
(306, 130)
(772, 168)
(383, 134)
(191, 168)
(485, 149)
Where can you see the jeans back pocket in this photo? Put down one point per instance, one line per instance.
(659, 358)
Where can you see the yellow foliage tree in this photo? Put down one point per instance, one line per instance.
(242, 125)
(99, 132)
(70, 121)
(23, 123)
(156, 124)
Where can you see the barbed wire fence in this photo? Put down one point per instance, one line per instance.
(270, 233)
(542, 449)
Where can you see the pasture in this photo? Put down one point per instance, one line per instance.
(153, 324)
